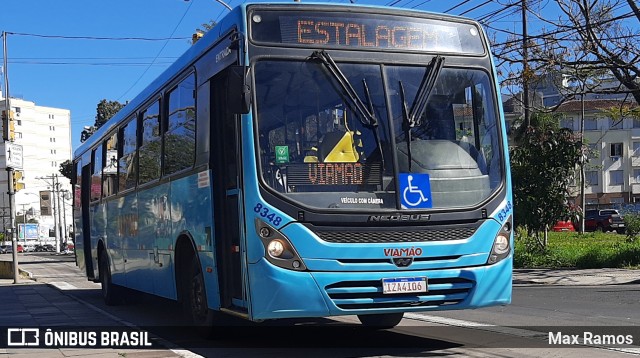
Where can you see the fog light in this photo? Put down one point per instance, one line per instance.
(275, 248)
(296, 264)
(501, 245)
(265, 232)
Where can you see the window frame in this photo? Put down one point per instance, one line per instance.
(611, 177)
(614, 148)
(156, 100)
(94, 151)
(122, 186)
(115, 187)
(166, 123)
(595, 175)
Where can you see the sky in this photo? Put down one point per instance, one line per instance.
(73, 53)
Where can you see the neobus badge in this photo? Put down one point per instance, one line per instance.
(413, 217)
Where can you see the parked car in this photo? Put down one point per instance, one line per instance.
(6, 249)
(563, 226)
(50, 248)
(604, 220)
(45, 248)
(20, 248)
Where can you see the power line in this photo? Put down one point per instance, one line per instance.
(111, 64)
(159, 52)
(477, 7)
(575, 30)
(420, 4)
(495, 13)
(99, 38)
(91, 58)
(456, 6)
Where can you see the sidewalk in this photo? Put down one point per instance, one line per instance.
(33, 304)
(574, 277)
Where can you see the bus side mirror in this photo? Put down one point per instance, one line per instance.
(238, 90)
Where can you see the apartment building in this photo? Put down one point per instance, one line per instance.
(45, 136)
(613, 168)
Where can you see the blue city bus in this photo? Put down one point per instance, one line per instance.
(307, 160)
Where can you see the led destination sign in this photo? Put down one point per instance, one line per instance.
(334, 174)
(365, 31)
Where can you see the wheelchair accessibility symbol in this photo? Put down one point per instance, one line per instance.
(416, 191)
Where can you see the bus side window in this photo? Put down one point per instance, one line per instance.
(110, 172)
(96, 173)
(180, 136)
(150, 145)
(127, 160)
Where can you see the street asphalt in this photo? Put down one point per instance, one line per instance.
(32, 303)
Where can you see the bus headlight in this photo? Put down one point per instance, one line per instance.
(278, 249)
(501, 244)
(275, 248)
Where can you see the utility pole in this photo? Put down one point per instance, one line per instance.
(525, 66)
(64, 214)
(6, 118)
(52, 181)
(583, 174)
(57, 193)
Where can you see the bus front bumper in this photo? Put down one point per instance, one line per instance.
(280, 293)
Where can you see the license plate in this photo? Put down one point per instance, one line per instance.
(404, 285)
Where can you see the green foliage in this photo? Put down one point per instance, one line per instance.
(66, 169)
(632, 224)
(542, 169)
(104, 111)
(572, 250)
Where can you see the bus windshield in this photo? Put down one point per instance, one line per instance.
(346, 137)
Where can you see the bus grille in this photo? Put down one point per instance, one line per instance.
(353, 295)
(405, 235)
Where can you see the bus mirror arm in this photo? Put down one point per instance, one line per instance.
(239, 89)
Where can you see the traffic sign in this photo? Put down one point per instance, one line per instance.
(13, 155)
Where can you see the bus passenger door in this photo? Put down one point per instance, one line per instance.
(86, 220)
(225, 156)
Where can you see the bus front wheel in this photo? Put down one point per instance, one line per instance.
(381, 321)
(110, 292)
(196, 296)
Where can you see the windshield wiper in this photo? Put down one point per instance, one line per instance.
(366, 114)
(411, 118)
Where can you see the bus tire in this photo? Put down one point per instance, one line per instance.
(110, 293)
(196, 300)
(381, 321)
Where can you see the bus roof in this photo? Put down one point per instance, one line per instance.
(233, 19)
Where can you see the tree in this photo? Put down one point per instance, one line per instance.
(104, 111)
(66, 169)
(542, 170)
(591, 39)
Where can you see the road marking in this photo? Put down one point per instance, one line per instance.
(185, 353)
(63, 286)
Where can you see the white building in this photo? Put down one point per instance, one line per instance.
(613, 169)
(45, 136)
